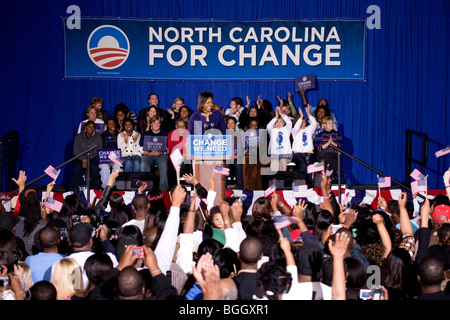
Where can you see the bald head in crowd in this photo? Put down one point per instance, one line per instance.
(49, 238)
(250, 250)
(130, 284)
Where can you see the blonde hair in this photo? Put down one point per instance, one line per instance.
(176, 100)
(27, 278)
(67, 278)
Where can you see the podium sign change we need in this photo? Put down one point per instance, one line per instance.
(218, 147)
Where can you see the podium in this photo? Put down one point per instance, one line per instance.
(205, 158)
(203, 169)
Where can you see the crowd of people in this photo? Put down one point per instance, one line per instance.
(171, 243)
(181, 246)
(286, 135)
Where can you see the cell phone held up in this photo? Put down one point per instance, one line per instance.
(138, 252)
(139, 183)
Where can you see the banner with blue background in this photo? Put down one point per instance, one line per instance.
(222, 50)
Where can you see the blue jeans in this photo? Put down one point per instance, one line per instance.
(302, 160)
(161, 162)
(105, 172)
(132, 164)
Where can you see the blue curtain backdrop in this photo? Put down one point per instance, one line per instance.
(406, 86)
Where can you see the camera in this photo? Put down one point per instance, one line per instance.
(138, 252)
(76, 219)
(139, 183)
(63, 233)
(371, 294)
(4, 282)
(335, 228)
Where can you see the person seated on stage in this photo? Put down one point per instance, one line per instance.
(235, 109)
(236, 166)
(303, 144)
(175, 110)
(91, 115)
(129, 143)
(122, 112)
(327, 138)
(109, 137)
(83, 141)
(102, 114)
(155, 157)
(280, 151)
(144, 124)
(153, 100)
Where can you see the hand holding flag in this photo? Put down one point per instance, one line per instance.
(53, 204)
(300, 191)
(270, 190)
(52, 172)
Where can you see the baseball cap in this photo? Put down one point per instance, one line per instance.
(441, 213)
(8, 220)
(309, 259)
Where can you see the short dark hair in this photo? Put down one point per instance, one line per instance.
(140, 202)
(48, 237)
(129, 283)
(431, 271)
(43, 290)
(89, 122)
(250, 250)
(238, 101)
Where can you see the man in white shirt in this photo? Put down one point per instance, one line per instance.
(305, 275)
(141, 206)
(80, 237)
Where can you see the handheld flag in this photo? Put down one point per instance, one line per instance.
(270, 190)
(300, 191)
(417, 175)
(177, 159)
(52, 172)
(281, 222)
(442, 152)
(53, 204)
(384, 182)
(418, 186)
(315, 167)
(113, 157)
(222, 170)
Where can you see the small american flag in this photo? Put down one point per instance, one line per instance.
(315, 167)
(177, 159)
(442, 152)
(53, 204)
(300, 191)
(417, 175)
(418, 186)
(113, 157)
(52, 172)
(222, 170)
(384, 182)
(270, 190)
(198, 200)
(281, 222)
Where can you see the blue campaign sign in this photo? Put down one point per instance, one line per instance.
(227, 50)
(218, 147)
(158, 143)
(104, 153)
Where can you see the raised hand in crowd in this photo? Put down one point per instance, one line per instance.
(20, 181)
(207, 275)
